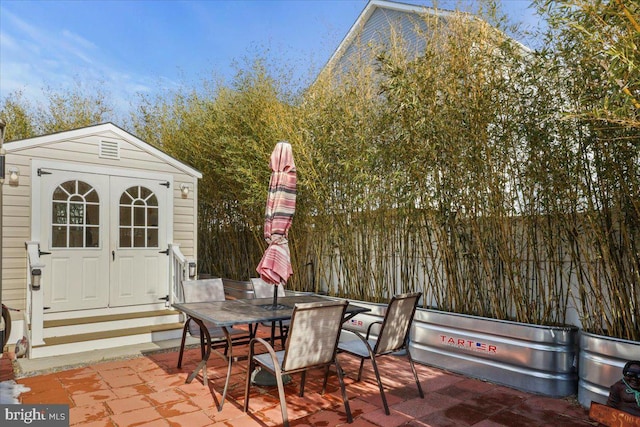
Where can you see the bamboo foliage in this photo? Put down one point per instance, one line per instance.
(228, 134)
(595, 43)
(474, 187)
(458, 172)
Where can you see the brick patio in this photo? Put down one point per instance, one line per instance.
(150, 391)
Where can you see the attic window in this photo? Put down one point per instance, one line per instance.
(110, 150)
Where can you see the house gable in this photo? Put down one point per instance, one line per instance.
(375, 26)
(381, 21)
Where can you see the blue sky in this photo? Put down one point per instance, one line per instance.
(140, 46)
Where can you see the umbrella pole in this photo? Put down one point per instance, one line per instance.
(275, 297)
(259, 376)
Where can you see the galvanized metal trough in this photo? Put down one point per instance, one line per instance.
(532, 358)
(601, 361)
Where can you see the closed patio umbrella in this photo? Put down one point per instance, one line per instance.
(275, 266)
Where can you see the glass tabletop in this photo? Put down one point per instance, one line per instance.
(243, 311)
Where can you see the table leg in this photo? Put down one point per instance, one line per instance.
(202, 365)
(229, 363)
(273, 334)
(184, 337)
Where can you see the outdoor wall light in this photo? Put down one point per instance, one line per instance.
(192, 270)
(14, 176)
(36, 275)
(184, 188)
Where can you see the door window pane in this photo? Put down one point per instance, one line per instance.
(125, 198)
(152, 237)
(59, 237)
(59, 213)
(145, 193)
(139, 238)
(153, 217)
(92, 237)
(76, 237)
(125, 215)
(75, 216)
(68, 187)
(60, 194)
(139, 216)
(125, 237)
(83, 188)
(138, 220)
(93, 215)
(76, 213)
(92, 196)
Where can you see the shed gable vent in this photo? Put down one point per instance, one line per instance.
(110, 150)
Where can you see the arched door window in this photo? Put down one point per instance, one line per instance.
(76, 216)
(138, 222)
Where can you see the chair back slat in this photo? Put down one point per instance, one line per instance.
(200, 291)
(262, 289)
(203, 290)
(397, 323)
(313, 334)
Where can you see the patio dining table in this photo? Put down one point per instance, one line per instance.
(225, 314)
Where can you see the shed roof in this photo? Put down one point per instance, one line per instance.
(101, 129)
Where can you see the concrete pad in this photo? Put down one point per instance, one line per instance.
(31, 367)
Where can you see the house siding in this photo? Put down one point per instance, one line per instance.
(373, 29)
(376, 32)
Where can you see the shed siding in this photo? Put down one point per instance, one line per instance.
(15, 232)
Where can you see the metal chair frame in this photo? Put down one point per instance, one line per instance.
(393, 337)
(209, 290)
(311, 343)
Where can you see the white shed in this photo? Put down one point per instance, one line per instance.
(98, 228)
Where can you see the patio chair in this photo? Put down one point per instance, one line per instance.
(311, 343)
(209, 290)
(262, 289)
(393, 337)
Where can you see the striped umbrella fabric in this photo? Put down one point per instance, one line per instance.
(275, 266)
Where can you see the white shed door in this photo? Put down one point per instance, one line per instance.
(104, 235)
(139, 271)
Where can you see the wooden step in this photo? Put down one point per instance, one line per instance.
(100, 324)
(107, 318)
(75, 335)
(106, 339)
(110, 334)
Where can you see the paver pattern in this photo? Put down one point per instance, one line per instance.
(151, 391)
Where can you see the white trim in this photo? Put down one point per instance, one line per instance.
(99, 131)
